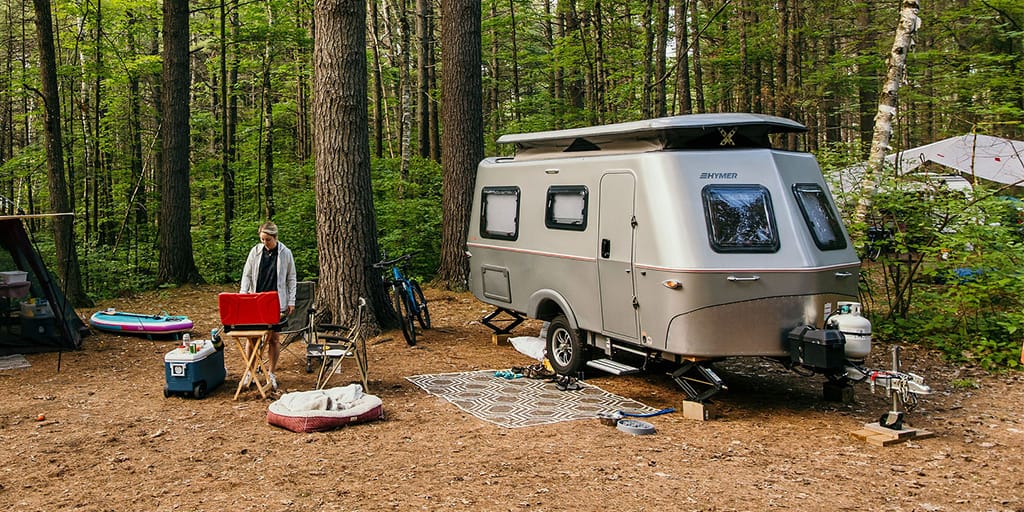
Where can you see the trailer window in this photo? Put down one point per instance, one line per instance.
(740, 218)
(820, 217)
(499, 213)
(567, 207)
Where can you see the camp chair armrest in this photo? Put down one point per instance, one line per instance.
(330, 327)
(333, 337)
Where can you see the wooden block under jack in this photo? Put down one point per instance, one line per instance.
(500, 339)
(697, 410)
(878, 435)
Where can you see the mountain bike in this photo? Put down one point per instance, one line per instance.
(405, 296)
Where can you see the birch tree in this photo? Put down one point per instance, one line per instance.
(887, 103)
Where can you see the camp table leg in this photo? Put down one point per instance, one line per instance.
(254, 362)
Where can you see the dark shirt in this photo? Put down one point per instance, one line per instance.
(267, 280)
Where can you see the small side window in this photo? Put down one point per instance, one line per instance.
(819, 216)
(566, 208)
(499, 213)
(740, 218)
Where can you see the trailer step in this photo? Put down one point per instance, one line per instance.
(611, 366)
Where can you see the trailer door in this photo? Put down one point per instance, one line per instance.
(615, 255)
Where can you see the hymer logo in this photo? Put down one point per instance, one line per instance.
(718, 175)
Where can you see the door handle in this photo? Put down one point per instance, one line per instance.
(737, 279)
(606, 248)
(843, 274)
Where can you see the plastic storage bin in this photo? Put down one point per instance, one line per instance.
(249, 310)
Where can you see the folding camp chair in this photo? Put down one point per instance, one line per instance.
(331, 344)
(298, 326)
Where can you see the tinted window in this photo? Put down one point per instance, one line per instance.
(820, 217)
(566, 207)
(740, 218)
(499, 212)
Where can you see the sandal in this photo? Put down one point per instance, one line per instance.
(537, 371)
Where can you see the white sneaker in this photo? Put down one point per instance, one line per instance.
(273, 380)
(246, 380)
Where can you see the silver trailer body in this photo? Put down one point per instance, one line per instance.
(686, 237)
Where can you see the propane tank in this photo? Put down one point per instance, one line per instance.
(855, 328)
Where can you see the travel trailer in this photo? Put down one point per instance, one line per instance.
(687, 239)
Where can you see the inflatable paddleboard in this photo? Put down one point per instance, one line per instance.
(137, 323)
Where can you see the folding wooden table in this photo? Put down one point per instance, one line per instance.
(257, 340)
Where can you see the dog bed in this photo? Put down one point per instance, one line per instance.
(320, 410)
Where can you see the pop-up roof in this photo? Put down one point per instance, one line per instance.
(695, 131)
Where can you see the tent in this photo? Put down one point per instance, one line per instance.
(974, 156)
(969, 157)
(34, 317)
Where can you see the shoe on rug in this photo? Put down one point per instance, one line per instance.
(246, 380)
(566, 383)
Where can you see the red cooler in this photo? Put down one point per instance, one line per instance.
(249, 310)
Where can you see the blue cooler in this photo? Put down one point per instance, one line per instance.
(194, 371)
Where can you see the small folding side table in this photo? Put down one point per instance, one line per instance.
(256, 340)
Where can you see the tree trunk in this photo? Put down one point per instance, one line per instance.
(423, 14)
(227, 176)
(462, 143)
(600, 77)
(744, 78)
(684, 100)
(63, 225)
(378, 84)
(304, 140)
(698, 75)
(517, 97)
(346, 227)
(268, 119)
(867, 87)
(660, 56)
(177, 264)
(647, 92)
(494, 91)
(405, 88)
(887, 105)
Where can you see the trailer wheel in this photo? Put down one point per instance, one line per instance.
(565, 349)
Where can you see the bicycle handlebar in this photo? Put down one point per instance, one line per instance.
(388, 263)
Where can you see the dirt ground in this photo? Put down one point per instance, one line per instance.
(111, 441)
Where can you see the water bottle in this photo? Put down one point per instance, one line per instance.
(215, 339)
(186, 341)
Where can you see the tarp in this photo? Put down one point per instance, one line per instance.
(55, 327)
(968, 157)
(982, 156)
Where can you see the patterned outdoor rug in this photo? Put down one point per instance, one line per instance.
(522, 402)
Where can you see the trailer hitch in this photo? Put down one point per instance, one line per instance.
(903, 388)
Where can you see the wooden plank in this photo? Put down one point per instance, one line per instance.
(898, 434)
(877, 435)
(696, 411)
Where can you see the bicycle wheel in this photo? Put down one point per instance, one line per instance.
(422, 313)
(400, 301)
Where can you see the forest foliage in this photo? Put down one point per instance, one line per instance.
(547, 65)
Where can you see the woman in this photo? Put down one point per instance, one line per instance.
(270, 267)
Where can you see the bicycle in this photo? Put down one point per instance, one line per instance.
(405, 296)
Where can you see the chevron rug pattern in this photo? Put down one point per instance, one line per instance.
(522, 402)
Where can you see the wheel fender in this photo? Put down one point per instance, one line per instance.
(541, 299)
